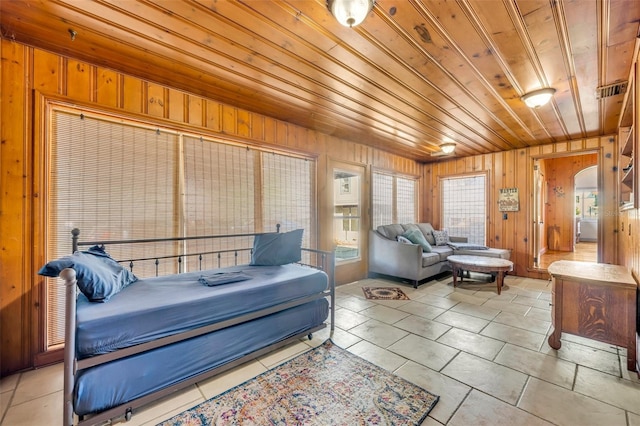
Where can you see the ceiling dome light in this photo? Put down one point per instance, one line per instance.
(538, 98)
(350, 12)
(448, 147)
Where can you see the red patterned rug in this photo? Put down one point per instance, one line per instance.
(324, 386)
(384, 293)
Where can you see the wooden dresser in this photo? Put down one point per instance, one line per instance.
(594, 300)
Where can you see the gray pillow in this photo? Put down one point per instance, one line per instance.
(441, 237)
(98, 276)
(403, 240)
(277, 248)
(391, 231)
(427, 230)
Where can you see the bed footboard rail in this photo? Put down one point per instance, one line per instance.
(70, 360)
(326, 261)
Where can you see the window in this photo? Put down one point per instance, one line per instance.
(114, 179)
(464, 207)
(393, 199)
(406, 200)
(346, 224)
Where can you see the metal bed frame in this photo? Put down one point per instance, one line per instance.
(324, 260)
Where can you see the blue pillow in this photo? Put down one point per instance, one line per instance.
(98, 276)
(416, 237)
(277, 248)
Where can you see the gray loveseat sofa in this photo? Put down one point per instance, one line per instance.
(389, 257)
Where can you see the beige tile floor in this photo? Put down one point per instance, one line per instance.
(485, 355)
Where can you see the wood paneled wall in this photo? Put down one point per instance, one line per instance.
(509, 169)
(27, 75)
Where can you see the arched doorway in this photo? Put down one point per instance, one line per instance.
(587, 212)
(565, 186)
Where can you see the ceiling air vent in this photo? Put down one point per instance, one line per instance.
(611, 90)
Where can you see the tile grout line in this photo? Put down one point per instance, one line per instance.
(10, 404)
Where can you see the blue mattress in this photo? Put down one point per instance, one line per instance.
(157, 307)
(114, 383)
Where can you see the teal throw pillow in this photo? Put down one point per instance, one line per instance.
(416, 237)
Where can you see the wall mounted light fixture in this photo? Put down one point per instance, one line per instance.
(448, 147)
(350, 12)
(538, 98)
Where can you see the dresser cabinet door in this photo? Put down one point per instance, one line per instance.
(595, 311)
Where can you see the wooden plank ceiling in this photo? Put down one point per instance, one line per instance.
(416, 73)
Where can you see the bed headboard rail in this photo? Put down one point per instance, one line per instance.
(76, 243)
(218, 258)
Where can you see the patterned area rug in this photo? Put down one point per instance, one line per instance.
(384, 293)
(324, 386)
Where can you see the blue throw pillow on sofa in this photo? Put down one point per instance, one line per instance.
(277, 248)
(416, 237)
(98, 276)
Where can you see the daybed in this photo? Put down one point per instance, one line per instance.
(154, 336)
(409, 260)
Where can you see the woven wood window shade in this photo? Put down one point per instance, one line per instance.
(219, 198)
(287, 195)
(382, 200)
(103, 178)
(406, 200)
(394, 199)
(115, 179)
(464, 207)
